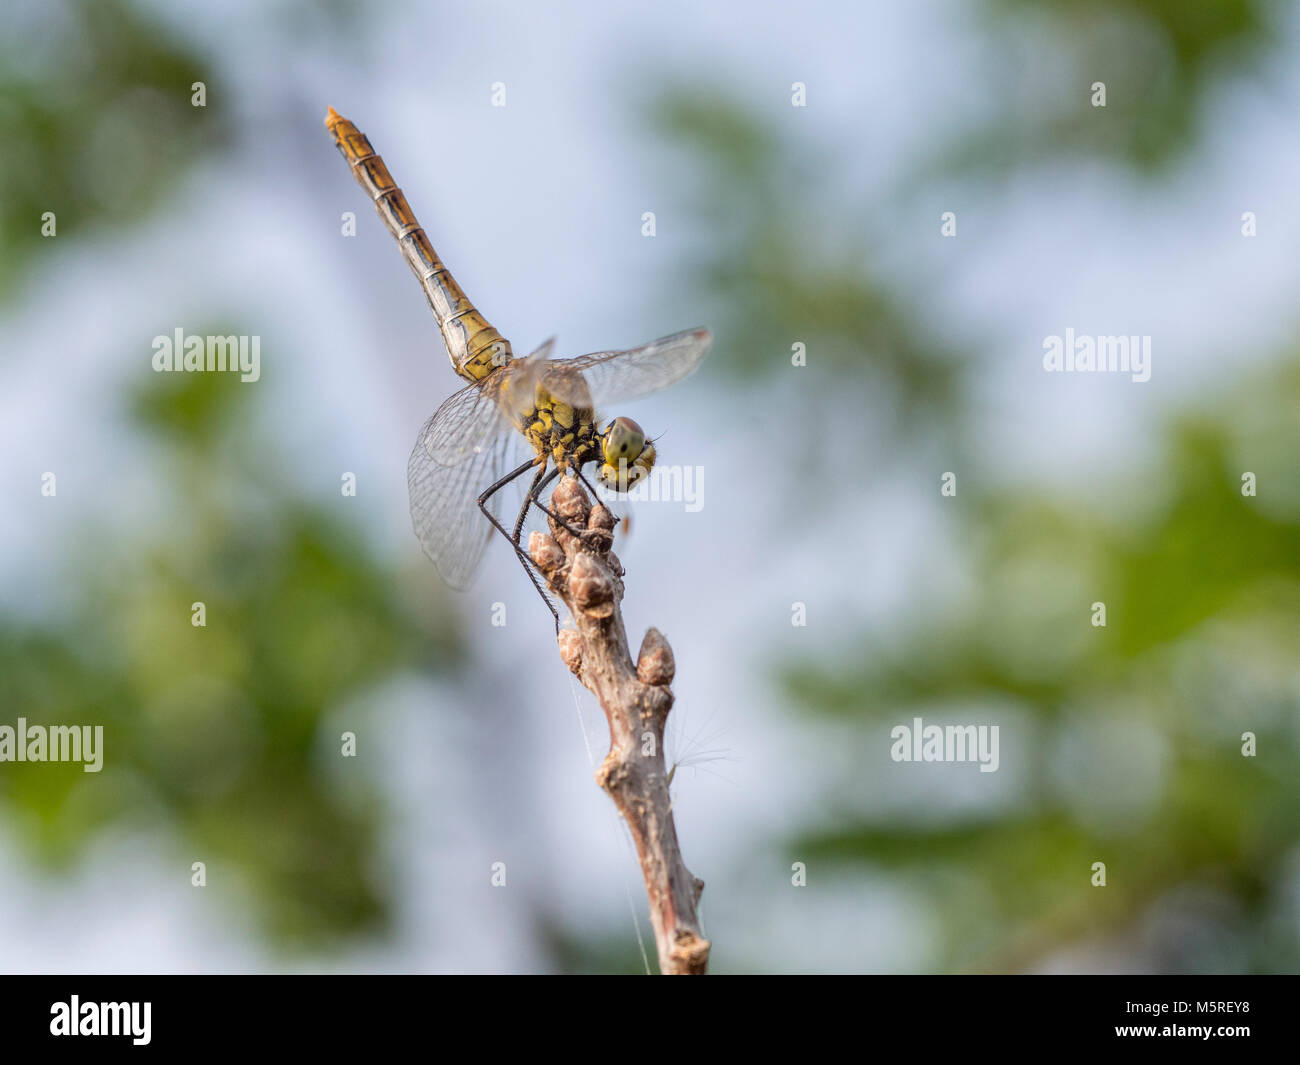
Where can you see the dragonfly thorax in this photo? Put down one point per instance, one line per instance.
(561, 424)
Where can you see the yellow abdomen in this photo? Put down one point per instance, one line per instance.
(475, 347)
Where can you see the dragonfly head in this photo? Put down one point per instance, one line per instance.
(628, 455)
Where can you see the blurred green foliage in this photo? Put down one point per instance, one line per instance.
(214, 735)
(781, 266)
(1128, 738)
(1159, 60)
(217, 734)
(96, 121)
(1202, 592)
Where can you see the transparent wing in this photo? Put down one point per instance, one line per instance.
(471, 419)
(444, 498)
(544, 350)
(467, 423)
(613, 376)
(514, 388)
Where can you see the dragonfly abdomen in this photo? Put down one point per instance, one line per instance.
(474, 345)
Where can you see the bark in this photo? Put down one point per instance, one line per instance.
(587, 576)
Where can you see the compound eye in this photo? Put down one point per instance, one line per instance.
(624, 439)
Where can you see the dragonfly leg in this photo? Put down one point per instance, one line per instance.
(534, 490)
(534, 500)
(595, 497)
(514, 543)
(581, 534)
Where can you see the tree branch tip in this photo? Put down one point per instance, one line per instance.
(655, 664)
(582, 571)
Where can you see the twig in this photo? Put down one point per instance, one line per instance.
(586, 575)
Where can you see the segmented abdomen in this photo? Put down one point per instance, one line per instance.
(475, 347)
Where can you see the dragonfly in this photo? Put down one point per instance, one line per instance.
(462, 456)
